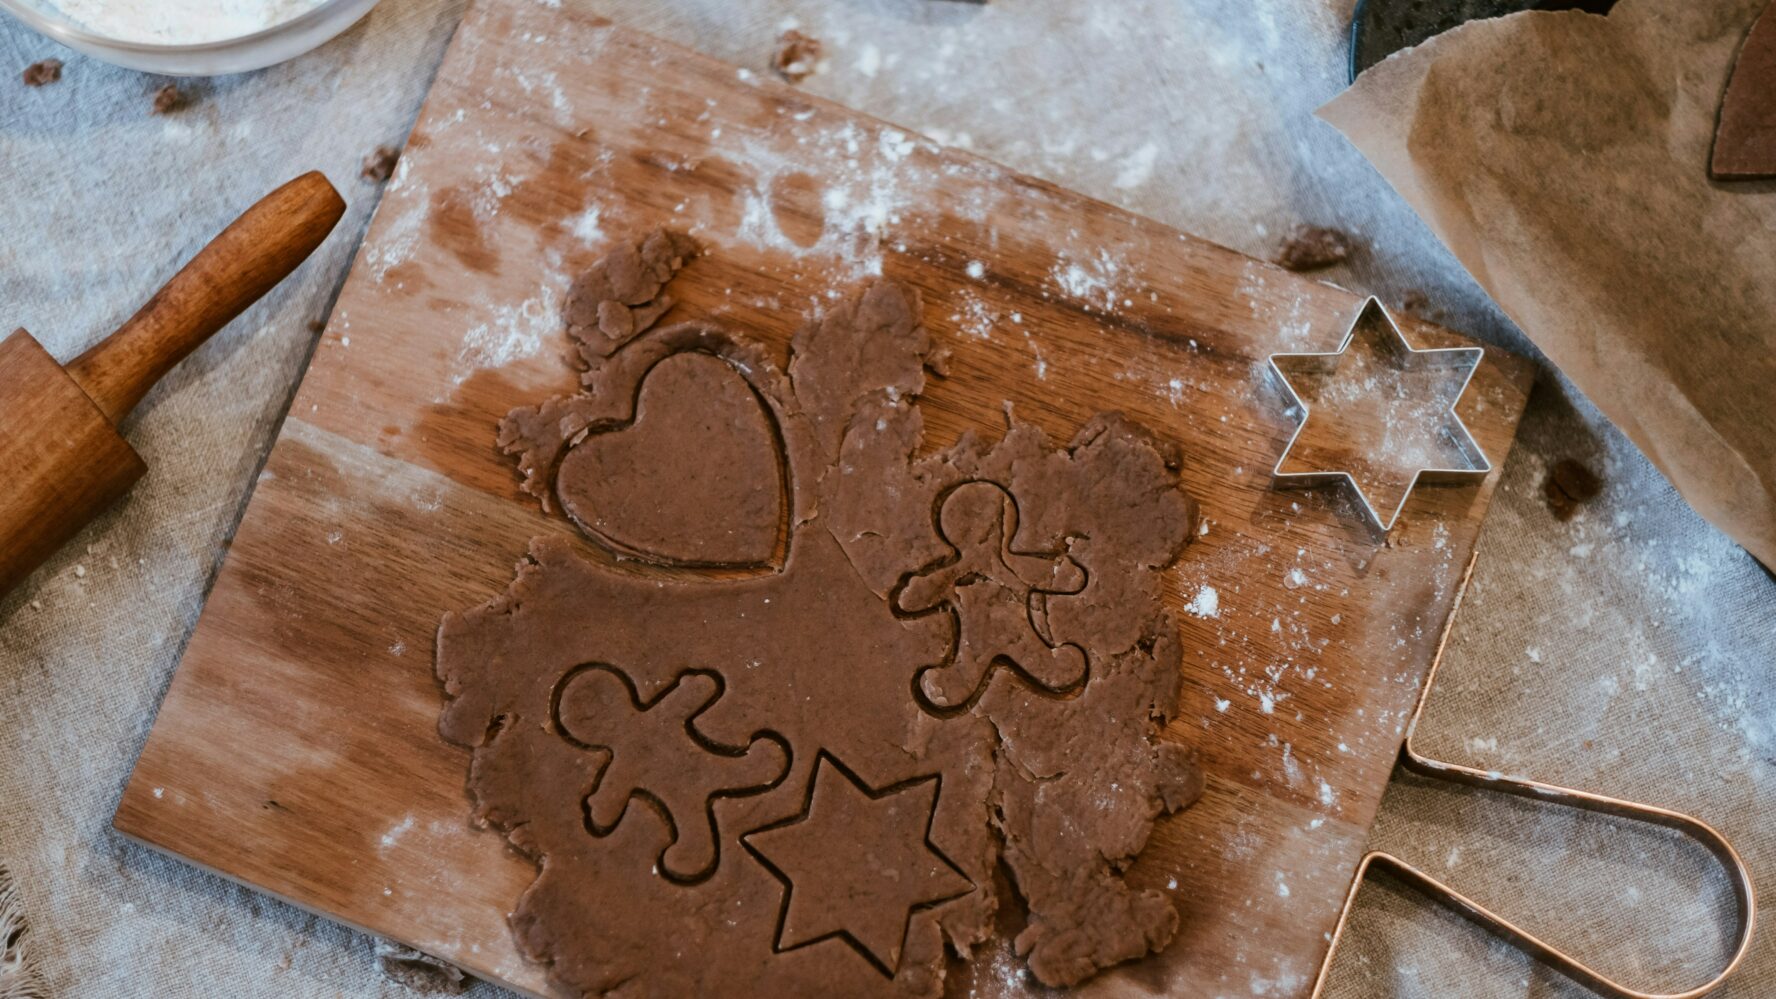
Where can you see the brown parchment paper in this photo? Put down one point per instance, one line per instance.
(1562, 157)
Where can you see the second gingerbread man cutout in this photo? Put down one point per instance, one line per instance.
(995, 594)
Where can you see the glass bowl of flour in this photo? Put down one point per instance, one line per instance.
(190, 37)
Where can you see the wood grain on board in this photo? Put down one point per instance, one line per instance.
(297, 749)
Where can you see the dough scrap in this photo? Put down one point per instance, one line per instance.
(620, 296)
(774, 718)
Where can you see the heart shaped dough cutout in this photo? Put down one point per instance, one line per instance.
(696, 479)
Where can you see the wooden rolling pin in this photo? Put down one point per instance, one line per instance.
(62, 460)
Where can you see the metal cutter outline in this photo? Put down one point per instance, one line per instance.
(1479, 466)
(1410, 758)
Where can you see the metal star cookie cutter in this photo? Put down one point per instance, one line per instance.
(1452, 358)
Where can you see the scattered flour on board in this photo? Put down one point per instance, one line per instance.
(873, 182)
(510, 332)
(1206, 603)
(1005, 973)
(399, 236)
(1093, 280)
(545, 84)
(396, 831)
(975, 317)
(1291, 767)
(585, 227)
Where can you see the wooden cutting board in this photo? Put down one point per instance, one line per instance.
(297, 749)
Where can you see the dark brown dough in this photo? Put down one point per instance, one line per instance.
(599, 709)
(994, 594)
(801, 780)
(1569, 485)
(43, 73)
(169, 99)
(694, 480)
(380, 164)
(1312, 247)
(796, 57)
(889, 869)
(1745, 136)
(620, 297)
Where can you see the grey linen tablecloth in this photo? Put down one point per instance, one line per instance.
(1630, 650)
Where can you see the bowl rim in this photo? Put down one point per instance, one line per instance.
(59, 30)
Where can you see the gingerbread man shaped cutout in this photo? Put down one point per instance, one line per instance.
(993, 594)
(658, 756)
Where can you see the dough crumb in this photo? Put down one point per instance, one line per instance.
(1568, 486)
(169, 99)
(418, 971)
(938, 361)
(43, 72)
(1311, 247)
(620, 297)
(380, 164)
(797, 56)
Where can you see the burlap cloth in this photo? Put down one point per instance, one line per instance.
(1629, 650)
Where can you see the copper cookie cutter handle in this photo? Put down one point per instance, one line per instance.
(1572, 967)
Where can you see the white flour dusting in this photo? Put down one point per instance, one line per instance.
(872, 180)
(1093, 280)
(511, 332)
(1138, 167)
(585, 227)
(974, 316)
(1207, 603)
(395, 832)
(869, 60)
(400, 236)
(187, 22)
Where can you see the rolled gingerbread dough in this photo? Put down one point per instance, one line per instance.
(802, 780)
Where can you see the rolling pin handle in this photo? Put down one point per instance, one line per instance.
(241, 264)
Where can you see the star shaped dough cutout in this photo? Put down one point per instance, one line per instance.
(1378, 414)
(856, 863)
